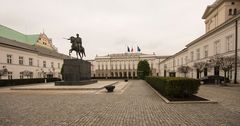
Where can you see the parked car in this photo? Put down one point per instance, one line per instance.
(212, 79)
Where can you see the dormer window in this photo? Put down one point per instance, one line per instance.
(230, 12)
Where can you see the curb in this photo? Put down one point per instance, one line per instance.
(60, 88)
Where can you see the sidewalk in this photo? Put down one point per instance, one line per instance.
(138, 105)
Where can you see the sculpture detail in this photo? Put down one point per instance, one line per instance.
(77, 46)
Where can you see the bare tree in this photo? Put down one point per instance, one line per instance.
(200, 66)
(3, 72)
(184, 70)
(225, 63)
(27, 73)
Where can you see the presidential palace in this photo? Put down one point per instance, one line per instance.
(38, 56)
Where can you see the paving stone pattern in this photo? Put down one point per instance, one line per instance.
(137, 106)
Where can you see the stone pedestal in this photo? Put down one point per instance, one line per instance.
(76, 72)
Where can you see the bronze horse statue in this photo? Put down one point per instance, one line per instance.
(78, 48)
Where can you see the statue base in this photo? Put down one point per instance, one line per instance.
(76, 72)
(74, 83)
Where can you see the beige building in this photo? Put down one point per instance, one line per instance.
(222, 20)
(32, 54)
(123, 65)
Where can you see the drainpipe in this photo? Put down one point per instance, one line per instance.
(236, 52)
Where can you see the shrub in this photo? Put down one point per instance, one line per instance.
(174, 86)
(143, 69)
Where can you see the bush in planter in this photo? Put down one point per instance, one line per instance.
(174, 86)
(143, 69)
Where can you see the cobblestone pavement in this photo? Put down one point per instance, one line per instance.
(137, 106)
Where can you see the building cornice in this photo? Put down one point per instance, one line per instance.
(227, 23)
(211, 8)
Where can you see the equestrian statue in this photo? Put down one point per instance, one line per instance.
(77, 46)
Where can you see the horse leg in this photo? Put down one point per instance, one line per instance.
(80, 55)
(69, 52)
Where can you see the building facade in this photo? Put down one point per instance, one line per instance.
(123, 65)
(222, 20)
(28, 56)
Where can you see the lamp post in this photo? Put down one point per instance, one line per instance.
(236, 52)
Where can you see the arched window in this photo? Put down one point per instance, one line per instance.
(230, 11)
(235, 11)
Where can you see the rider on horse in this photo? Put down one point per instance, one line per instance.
(77, 46)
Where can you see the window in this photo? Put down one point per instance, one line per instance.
(44, 64)
(21, 75)
(111, 67)
(30, 61)
(186, 59)
(106, 66)
(102, 67)
(229, 43)
(192, 56)
(31, 75)
(235, 12)
(10, 75)
(58, 65)
(233, 3)
(198, 54)
(20, 60)
(182, 61)
(217, 47)
(9, 59)
(230, 12)
(38, 63)
(116, 66)
(205, 51)
(98, 67)
(52, 64)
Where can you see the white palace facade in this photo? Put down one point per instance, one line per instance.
(222, 20)
(123, 65)
(32, 54)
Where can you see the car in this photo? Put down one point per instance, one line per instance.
(212, 79)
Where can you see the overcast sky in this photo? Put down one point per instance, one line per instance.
(109, 26)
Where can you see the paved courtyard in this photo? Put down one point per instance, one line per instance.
(138, 105)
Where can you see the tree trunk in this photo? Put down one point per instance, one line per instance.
(225, 73)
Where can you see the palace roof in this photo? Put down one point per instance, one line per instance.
(11, 34)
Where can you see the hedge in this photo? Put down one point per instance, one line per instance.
(14, 82)
(114, 77)
(174, 86)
